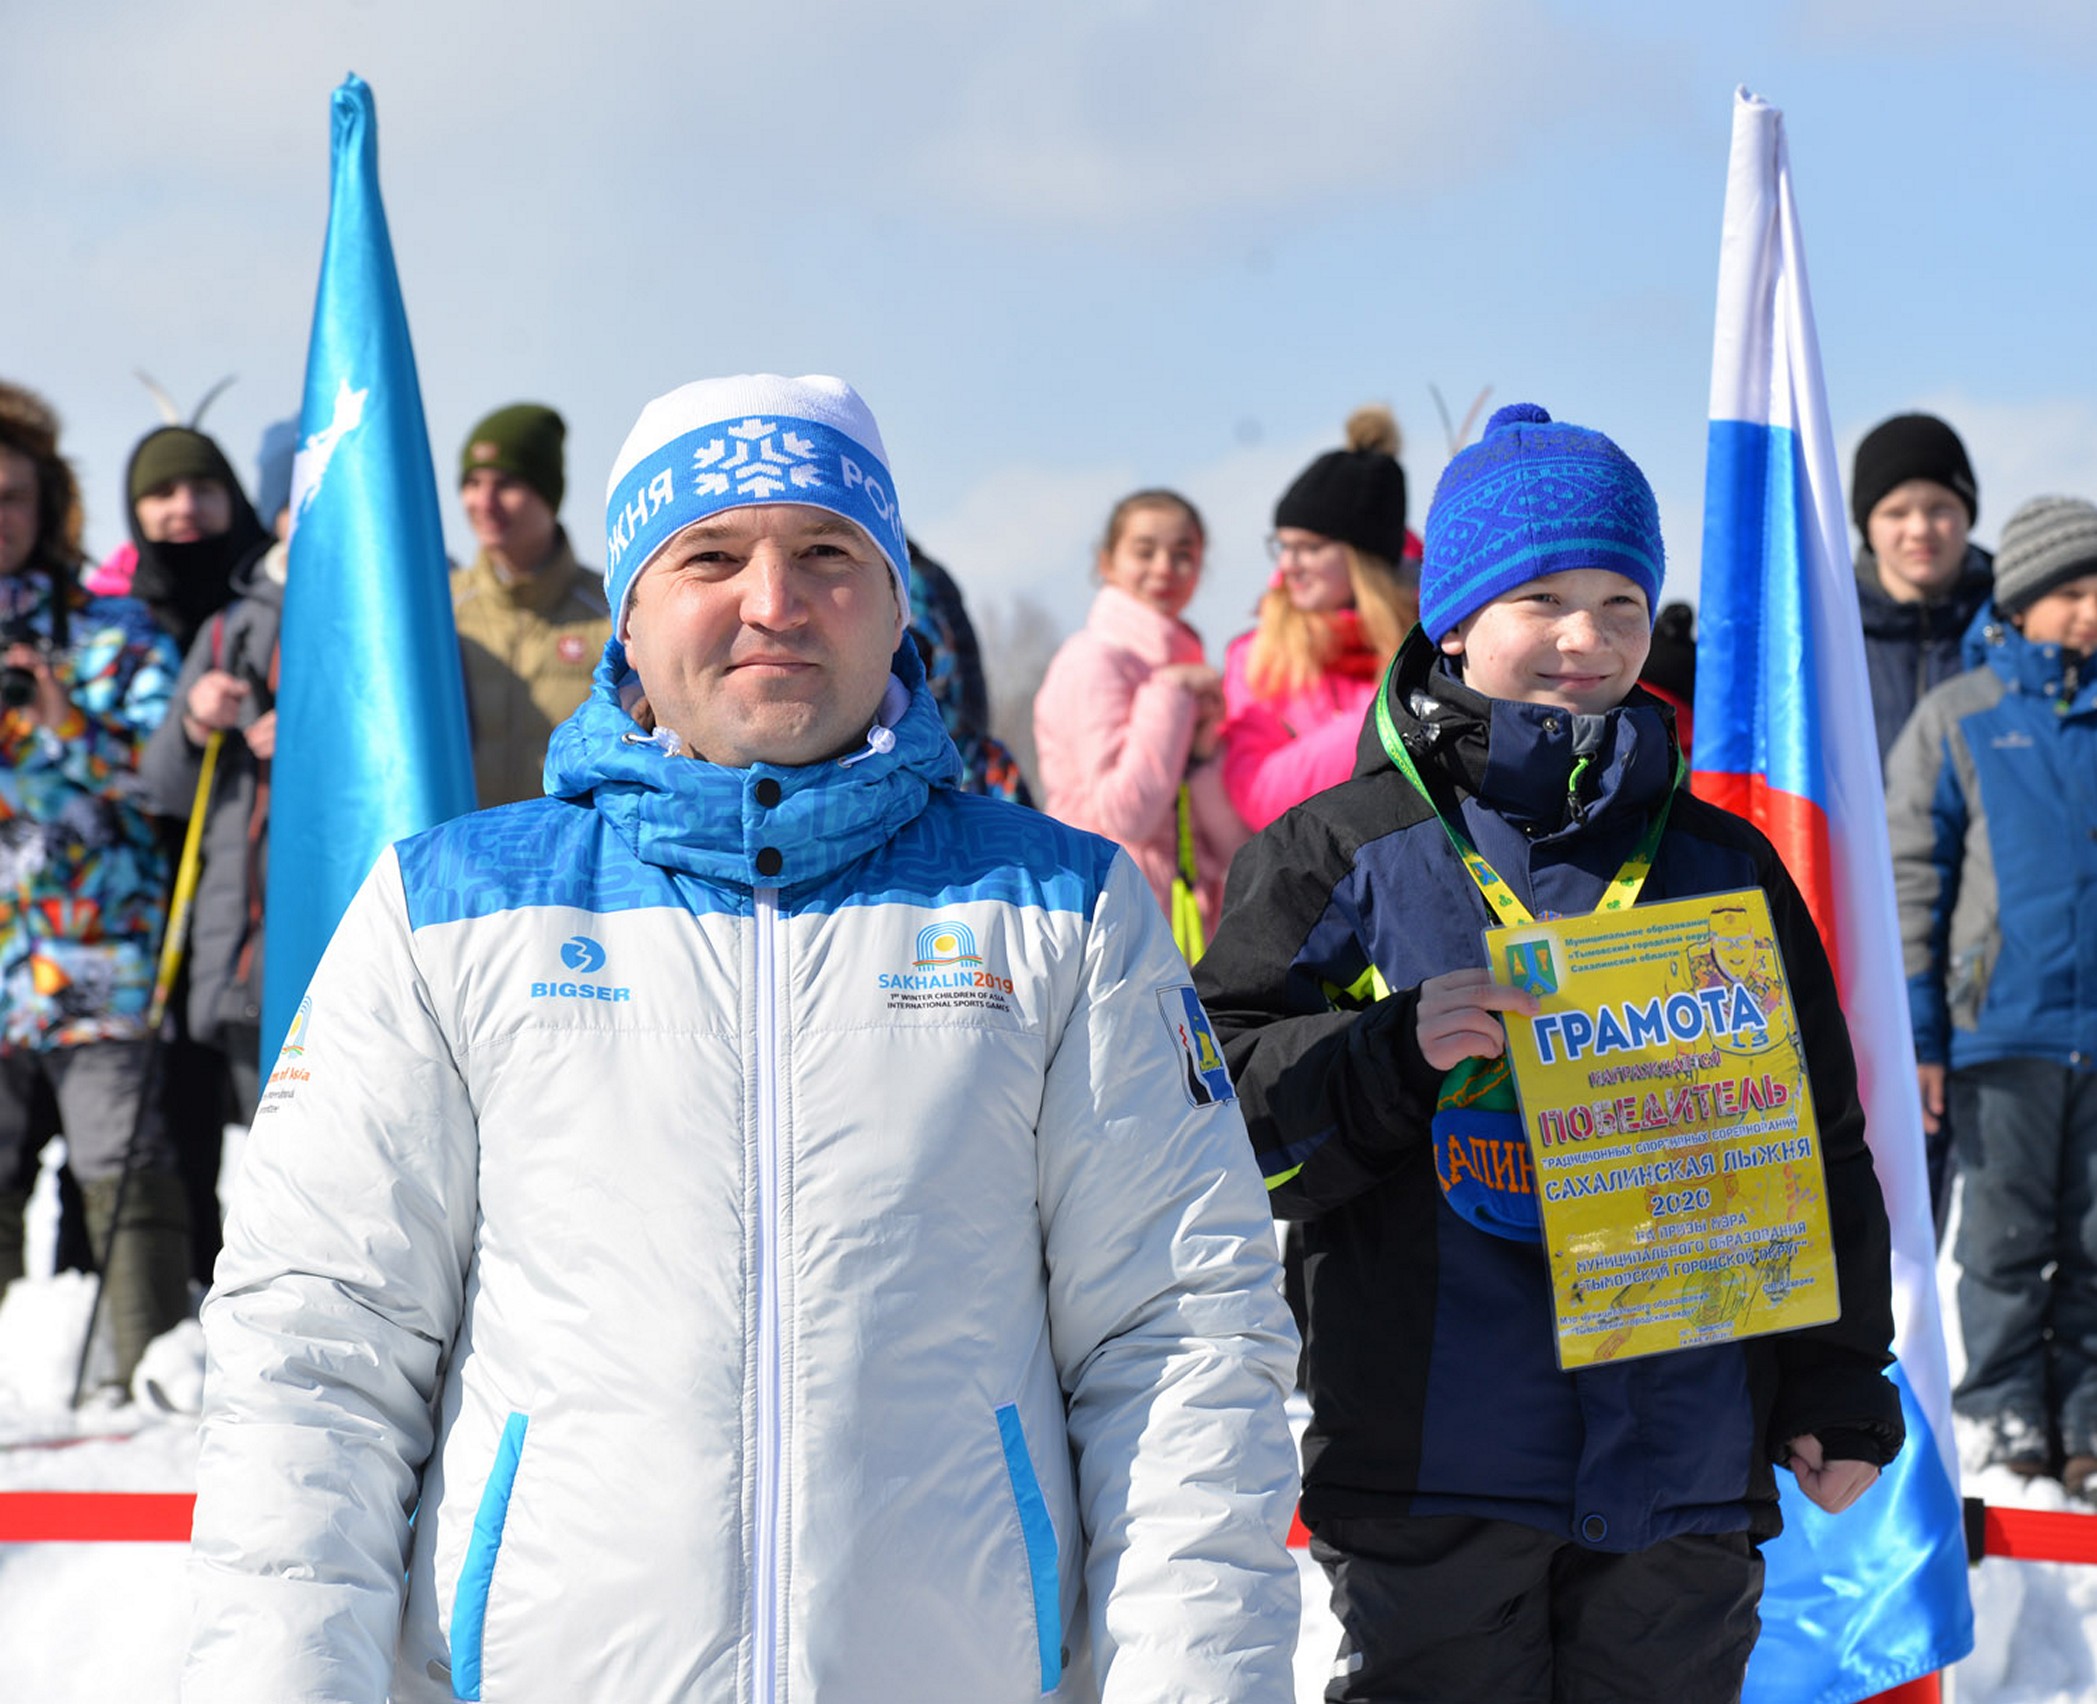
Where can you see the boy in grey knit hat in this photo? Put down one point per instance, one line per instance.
(1992, 799)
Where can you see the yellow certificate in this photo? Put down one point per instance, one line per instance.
(1663, 1090)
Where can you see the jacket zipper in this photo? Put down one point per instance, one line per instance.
(764, 1582)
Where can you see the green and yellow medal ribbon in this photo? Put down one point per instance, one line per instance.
(1624, 886)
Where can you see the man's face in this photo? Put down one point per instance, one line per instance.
(764, 635)
(1918, 533)
(509, 518)
(2065, 616)
(18, 511)
(1576, 639)
(185, 510)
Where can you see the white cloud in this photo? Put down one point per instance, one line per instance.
(1027, 531)
(1073, 117)
(1032, 530)
(1127, 114)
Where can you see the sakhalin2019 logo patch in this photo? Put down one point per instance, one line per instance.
(948, 970)
(290, 1069)
(1206, 1079)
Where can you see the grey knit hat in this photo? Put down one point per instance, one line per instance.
(2048, 542)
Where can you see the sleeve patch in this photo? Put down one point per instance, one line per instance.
(1205, 1077)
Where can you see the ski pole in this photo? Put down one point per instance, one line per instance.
(172, 944)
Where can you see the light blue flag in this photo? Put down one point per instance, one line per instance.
(371, 712)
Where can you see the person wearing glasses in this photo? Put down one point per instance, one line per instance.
(1127, 720)
(1344, 594)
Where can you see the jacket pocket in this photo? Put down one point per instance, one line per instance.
(1039, 1531)
(469, 1607)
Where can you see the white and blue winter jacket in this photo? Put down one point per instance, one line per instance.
(768, 1234)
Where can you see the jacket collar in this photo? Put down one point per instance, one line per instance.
(2042, 671)
(537, 592)
(1132, 625)
(1520, 760)
(706, 820)
(1886, 617)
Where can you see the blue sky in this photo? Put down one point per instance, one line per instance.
(1064, 251)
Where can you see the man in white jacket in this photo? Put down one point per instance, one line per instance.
(757, 1223)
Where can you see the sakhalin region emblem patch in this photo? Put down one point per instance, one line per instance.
(1205, 1077)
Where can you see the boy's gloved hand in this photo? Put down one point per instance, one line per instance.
(1833, 1485)
(1457, 1016)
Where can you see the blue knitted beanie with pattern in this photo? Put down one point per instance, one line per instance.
(1533, 497)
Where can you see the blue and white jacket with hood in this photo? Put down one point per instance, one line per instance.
(1991, 804)
(768, 1234)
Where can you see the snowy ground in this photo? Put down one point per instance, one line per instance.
(104, 1623)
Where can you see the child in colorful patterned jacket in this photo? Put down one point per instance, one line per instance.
(83, 891)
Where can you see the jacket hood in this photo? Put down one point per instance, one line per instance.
(2043, 671)
(1544, 768)
(704, 819)
(1886, 617)
(252, 579)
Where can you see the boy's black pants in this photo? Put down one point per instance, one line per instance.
(1441, 1609)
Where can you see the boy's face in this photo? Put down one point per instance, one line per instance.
(2065, 616)
(184, 510)
(1917, 531)
(1575, 639)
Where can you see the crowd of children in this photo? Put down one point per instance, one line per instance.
(1405, 715)
(1418, 735)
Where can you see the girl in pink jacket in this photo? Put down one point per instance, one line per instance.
(1345, 592)
(1127, 718)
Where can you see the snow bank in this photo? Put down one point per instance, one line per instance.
(102, 1622)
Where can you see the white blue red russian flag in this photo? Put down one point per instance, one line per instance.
(1877, 1597)
(371, 711)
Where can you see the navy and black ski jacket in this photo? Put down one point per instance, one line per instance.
(1911, 649)
(1434, 1381)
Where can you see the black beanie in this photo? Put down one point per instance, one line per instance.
(525, 441)
(1910, 446)
(1356, 495)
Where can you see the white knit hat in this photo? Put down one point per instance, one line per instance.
(720, 444)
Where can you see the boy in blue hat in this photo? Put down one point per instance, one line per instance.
(1495, 1527)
